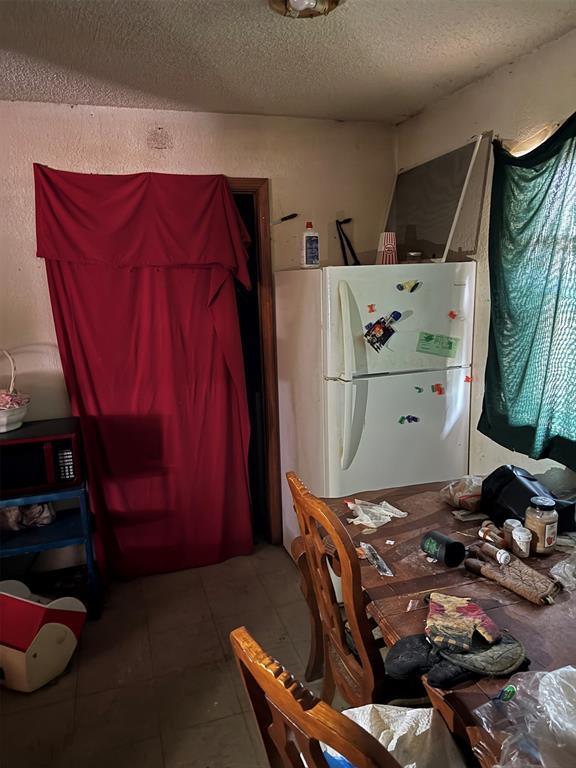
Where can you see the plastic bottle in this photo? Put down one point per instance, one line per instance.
(491, 533)
(310, 247)
(500, 555)
(508, 528)
(521, 538)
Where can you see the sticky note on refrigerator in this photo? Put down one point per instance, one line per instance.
(437, 344)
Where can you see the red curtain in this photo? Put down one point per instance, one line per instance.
(141, 272)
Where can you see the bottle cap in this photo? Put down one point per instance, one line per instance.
(503, 557)
(308, 225)
(542, 502)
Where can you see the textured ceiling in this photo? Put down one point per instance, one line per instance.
(368, 60)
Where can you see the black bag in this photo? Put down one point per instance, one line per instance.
(507, 492)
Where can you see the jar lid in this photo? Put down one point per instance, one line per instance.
(542, 502)
(522, 533)
(512, 523)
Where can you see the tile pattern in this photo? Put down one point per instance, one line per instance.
(154, 684)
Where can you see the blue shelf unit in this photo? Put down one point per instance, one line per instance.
(71, 526)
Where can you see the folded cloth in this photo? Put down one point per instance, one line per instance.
(452, 622)
(413, 656)
(518, 578)
(497, 660)
(410, 657)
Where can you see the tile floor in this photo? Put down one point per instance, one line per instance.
(154, 684)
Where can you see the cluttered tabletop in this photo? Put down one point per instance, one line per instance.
(468, 559)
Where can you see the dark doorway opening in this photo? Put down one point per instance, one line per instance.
(252, 197)
(249, 317)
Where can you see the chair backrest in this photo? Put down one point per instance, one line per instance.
(356, 671)
(293, 722)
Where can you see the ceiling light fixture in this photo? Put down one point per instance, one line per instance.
(303, 9)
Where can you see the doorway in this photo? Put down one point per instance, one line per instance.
(257, 328)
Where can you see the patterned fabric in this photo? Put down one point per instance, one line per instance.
(530, 389)
(452, 622)
(522, 580)
(497, 660)
(413, 656)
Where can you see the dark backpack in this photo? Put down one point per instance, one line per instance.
(506, 493)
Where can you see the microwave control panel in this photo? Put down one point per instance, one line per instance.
(65, 464)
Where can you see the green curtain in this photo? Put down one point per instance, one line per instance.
(530, 385)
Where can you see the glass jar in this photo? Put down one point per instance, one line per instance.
(542, 519)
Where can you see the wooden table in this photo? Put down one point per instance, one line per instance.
(397, 603)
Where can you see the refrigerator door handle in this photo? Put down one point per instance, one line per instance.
(347, 335)
(354, 416)
(346, 459)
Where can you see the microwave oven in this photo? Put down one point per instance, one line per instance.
(39, 457)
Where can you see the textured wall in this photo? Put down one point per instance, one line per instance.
(514, 102)
(321, 169)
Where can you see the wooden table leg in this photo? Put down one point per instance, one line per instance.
(315, 666)
(463, 728)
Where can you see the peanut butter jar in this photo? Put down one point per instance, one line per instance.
(542, 519)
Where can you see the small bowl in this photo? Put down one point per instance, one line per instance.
(12, 418)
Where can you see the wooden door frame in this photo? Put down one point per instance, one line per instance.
(259, 189)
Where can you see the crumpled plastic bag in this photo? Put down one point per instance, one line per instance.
(417, 738)
(371, 515)
(565, 572)
(536, 712)
(28, 516)
(464, 493)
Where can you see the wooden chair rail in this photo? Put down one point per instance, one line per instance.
(293, 722)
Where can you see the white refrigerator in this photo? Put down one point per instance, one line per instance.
(359, 414)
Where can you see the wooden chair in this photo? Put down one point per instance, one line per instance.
(352, 658)
(315, 665)
(293, 722)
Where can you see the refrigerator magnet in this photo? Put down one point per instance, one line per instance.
(371, 308)
(409, 286)
(437, 344)
(438, 389)
(408, 419)
(419, 389)
(378, 333)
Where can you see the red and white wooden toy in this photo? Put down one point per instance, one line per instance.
(37, 639)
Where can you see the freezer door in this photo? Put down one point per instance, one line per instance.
(436, 306)
(396, 430)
